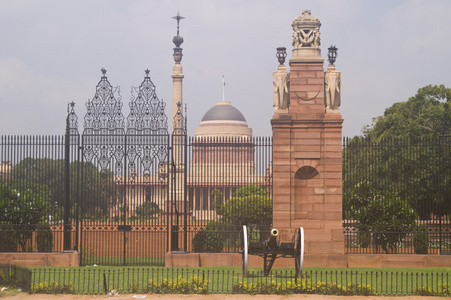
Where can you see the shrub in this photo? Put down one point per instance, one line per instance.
(52, 288)
(133, 288)
(44, 238)
(420, 239)
(8, 239)
(179, 286)
(442, 290)
(363, 239)
(301, 287)
(147, 209)
(251, 205)
(382, 213)
(207, 240)
(3, 278)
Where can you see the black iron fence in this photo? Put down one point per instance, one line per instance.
(207, 281)
(228, 185)
(396, 195)
(15, 276)
(129, 199)
(33, 214)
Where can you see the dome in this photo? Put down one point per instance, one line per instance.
(223, 111)
(223, 120)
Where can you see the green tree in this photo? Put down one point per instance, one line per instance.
(20, 213)
(217, 200)
(95, 189)
(250, 206)
(426, 114)
(381, 214)
(147, 209)
(399, 152)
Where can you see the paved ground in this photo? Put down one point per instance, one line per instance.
(204, 297)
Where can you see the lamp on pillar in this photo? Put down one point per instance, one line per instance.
(332, 55)
(281, 54)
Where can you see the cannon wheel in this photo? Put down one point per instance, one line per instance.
(245, 250)
(299, 258)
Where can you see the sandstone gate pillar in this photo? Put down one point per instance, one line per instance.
(307, 137)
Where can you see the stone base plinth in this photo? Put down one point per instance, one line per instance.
(60, 259)
(311, 260)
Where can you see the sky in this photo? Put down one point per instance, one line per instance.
(51, 53)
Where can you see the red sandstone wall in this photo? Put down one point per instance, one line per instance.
(307, 171)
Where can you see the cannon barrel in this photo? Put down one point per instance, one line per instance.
(272, 241)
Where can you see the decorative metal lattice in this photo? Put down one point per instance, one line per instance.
(179, 126)
(147, 114)
(104, 112)
(72, 119)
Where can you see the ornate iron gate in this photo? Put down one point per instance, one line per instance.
(123, 209)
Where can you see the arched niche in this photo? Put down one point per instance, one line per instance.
(306, 172)
(303, 191)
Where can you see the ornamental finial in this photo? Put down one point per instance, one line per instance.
(178, 40)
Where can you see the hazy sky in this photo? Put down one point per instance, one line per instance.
(51, 53)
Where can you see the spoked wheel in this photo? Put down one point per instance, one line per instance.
(299, 258)
(245, 251)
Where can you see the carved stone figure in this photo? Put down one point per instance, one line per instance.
(316, 38)
(281, 95)
(332, 83)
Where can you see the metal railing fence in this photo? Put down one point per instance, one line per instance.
(16, 276)
(397, 196)
(214, 281)
(228, 185)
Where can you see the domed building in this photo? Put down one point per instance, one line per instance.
(224, 120)
(222, 159)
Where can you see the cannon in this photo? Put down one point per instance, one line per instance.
(271, 248)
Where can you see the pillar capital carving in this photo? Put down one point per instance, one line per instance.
(306, 38)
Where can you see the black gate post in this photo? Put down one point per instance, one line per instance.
(439, 169)
(67, 206)
(174, 228)
(185, 192)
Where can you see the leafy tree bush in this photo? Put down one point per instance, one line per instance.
(20, 213)
(404, 152)
(44, 238)
(217, 200)
(420, 239)
(363, 239)
(250, 206)
(147, 209)
(8, 238)
(208, 240)
(99, 188)
(381, 213)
